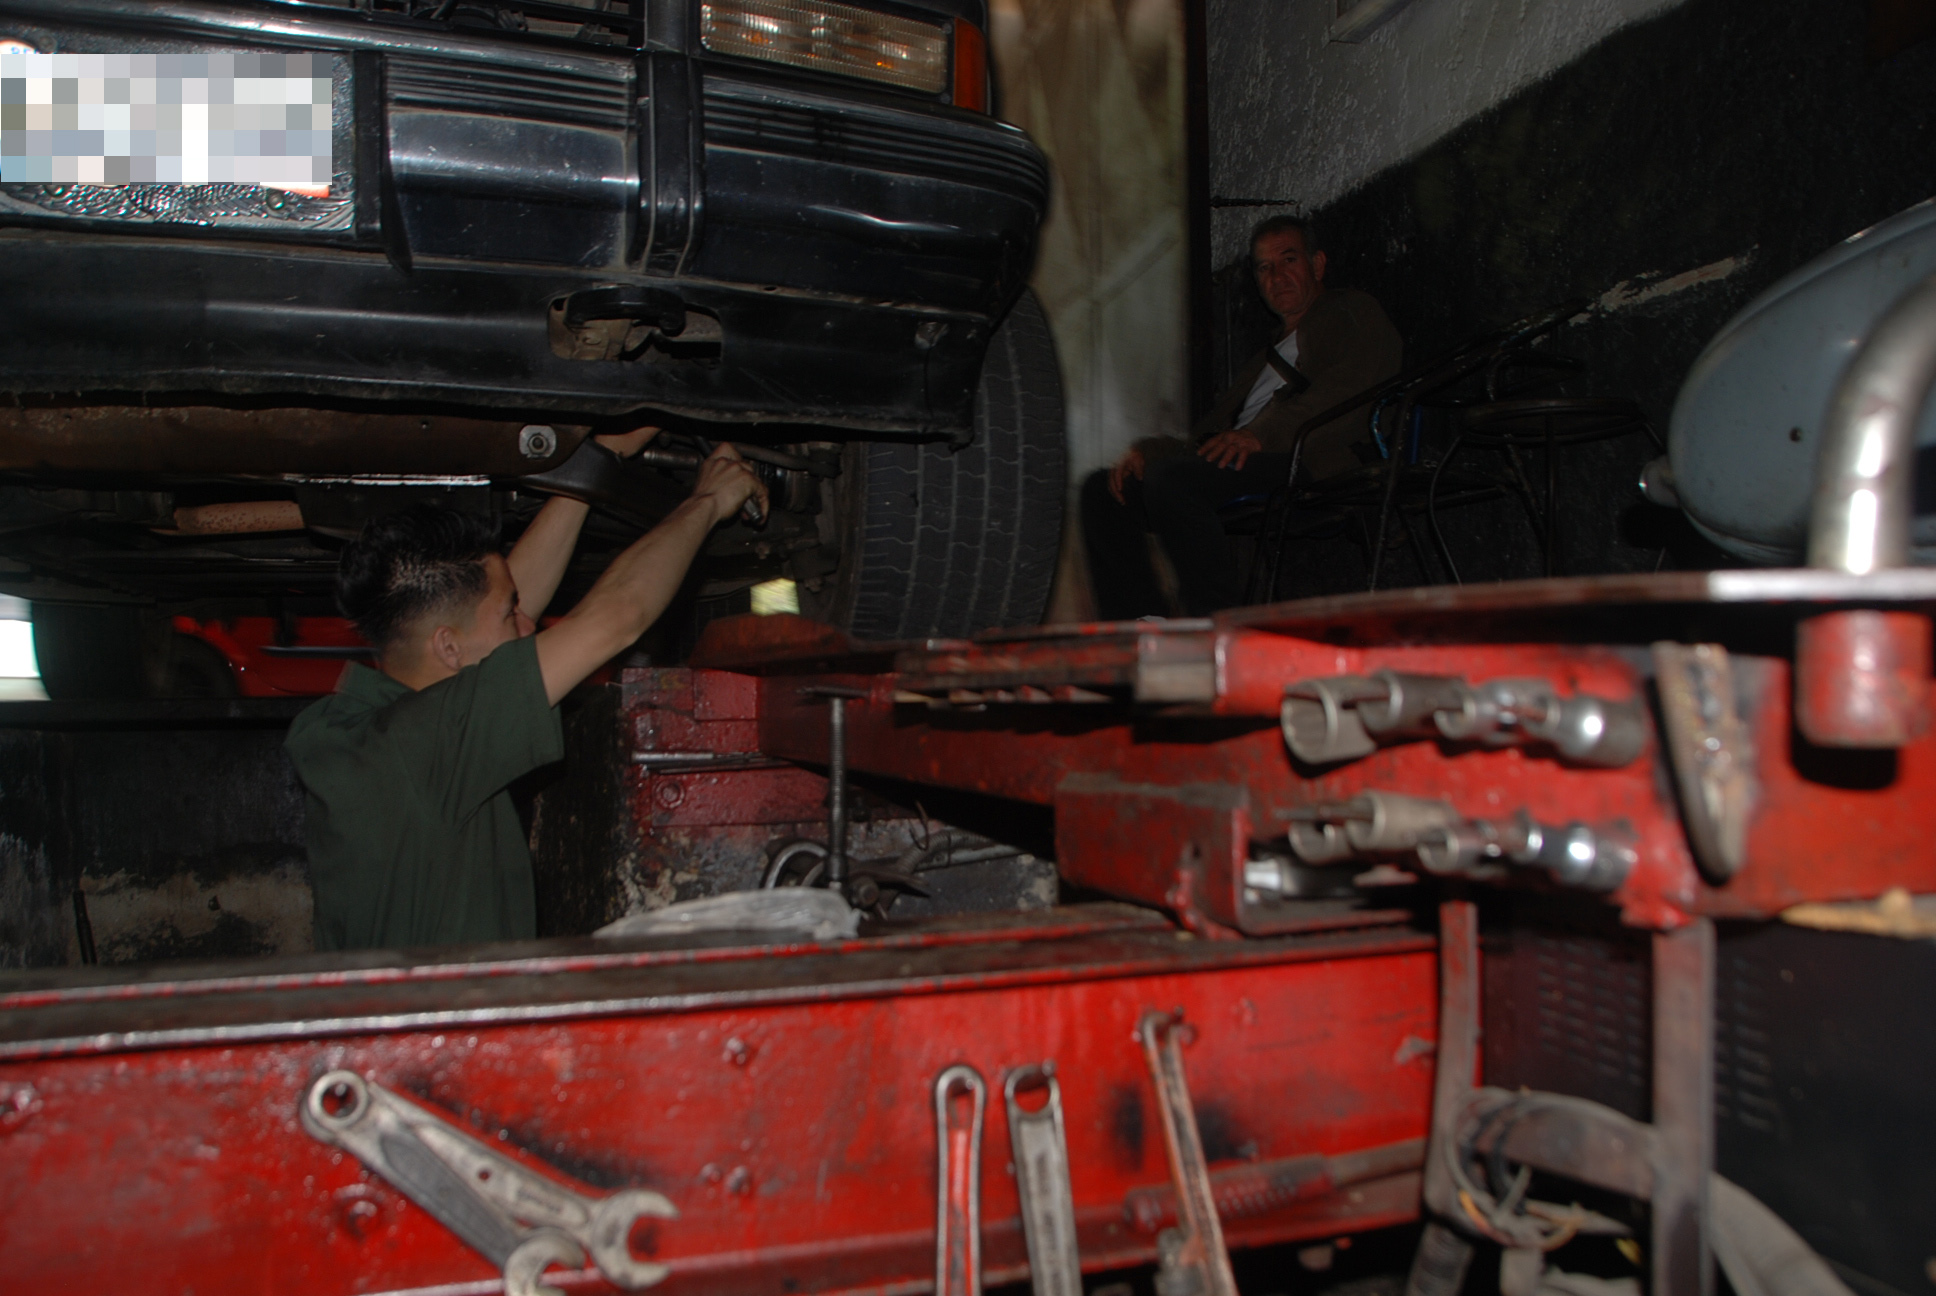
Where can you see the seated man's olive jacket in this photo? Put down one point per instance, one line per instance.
(1345, 344)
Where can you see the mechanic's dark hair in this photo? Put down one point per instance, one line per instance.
(403, 565)
(1281, 222)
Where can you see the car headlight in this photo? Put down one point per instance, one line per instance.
(834, 38)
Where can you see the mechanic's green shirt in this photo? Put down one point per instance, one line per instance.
(413, 839)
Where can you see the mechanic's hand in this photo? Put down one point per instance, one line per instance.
(1230, 449)
(627, 444)
(728, 481)
(1130, 465)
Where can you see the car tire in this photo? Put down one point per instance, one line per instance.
(938, 542)
(187, 667)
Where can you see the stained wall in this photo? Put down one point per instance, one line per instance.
(1099, 84)
(1296, 117)
(180, 841)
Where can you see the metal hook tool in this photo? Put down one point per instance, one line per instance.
(957, 1241)
(1192, 1258)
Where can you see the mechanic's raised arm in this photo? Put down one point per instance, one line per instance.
(539, 558)
(639, 584)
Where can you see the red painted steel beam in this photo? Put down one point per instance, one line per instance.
(1818, 830)
(781, 1100)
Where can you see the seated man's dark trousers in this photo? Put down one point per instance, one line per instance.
(1177, 499)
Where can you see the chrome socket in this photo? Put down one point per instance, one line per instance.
(1344, 717)
(1576, 855)
(1384, 824)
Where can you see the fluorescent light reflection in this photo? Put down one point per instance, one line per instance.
(1875, 441)
(1863, 509)
(19, 671)
(17, 651)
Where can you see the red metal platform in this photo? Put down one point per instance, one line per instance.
(1629, 741)
(779, 1097)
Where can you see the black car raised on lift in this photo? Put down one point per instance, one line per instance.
(788, 223)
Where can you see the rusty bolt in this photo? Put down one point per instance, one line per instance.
(537, 441)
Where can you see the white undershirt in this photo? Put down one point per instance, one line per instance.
(1267, 383)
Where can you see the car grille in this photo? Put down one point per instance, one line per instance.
(747, 117)
(510, 92)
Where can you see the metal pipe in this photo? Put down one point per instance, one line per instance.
(776, 871)
(1405, 406)
(1860, 518)
(1552, 501)
(1862, 675)
(83, 928)
(836, 697)
(654, 457)
(837, 794)
(194, 439)
(239, 517)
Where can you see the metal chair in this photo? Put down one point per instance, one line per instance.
(1513, 425)
(1501, 423)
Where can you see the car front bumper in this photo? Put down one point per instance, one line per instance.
(854, 248)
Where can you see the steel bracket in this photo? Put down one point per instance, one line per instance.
(1668, 1163)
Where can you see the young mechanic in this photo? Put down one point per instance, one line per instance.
(413, 839)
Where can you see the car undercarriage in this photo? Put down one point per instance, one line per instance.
(535, 231)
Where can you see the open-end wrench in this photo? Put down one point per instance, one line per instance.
(753, 513)
(1042, 1177)
(479, 1193)
(599, 477)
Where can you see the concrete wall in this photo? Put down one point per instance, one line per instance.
(1305, 120)
(184, 843)
(36, 927)
(1099, 84)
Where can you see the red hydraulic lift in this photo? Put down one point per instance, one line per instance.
(1250, 1050)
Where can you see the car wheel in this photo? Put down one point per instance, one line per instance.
(938, 542)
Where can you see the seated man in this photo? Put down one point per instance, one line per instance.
(1335, 343)
(413, 839)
